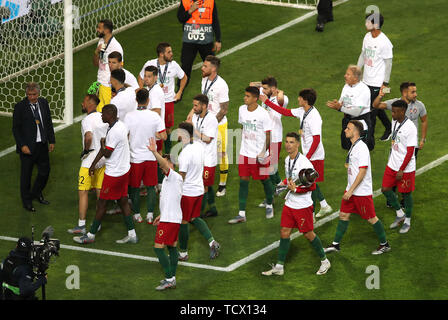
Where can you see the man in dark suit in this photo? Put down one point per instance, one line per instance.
(33, 131)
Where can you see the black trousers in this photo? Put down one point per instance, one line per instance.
(41, 159)
(189, 52)
(374, 91)
(325, 11)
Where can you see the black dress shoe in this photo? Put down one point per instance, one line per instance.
(320, 27)
(29, 207)
(43, 201)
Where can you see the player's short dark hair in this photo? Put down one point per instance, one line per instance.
(400, 104)
(118, 75)
(213, 60)
(94, 98)
(167, 156)
(253, 91)
(270, 81)
(406, 85)
(110, 109)
(142, 96)
(107, 24)
(187, 127)
(161, 47)
(372, 17)
(310, 95)
(294, 135)
(152, 69)
(358, 125)
(202, 98)
(115, 55)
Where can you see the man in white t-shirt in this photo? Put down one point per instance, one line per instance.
(106, 45)
(143, 125)
(168, 71)
(124, 100)
(92, 129)
(253, 160)
(355, 104)
(116, 62)
(298, 209)
(311, 139)
(376, 58)
(170, 218)
(191, 168)
(205, 127)
(358, 193)
(400, 169)
(115, 148)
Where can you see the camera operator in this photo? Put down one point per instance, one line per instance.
(17, 273)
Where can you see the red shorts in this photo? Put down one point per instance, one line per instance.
(146, 171)
(159, 144)
(274, 151)
(405, 185)
(115, 188)
(167, 233)
(209, 176)
(362, 205)
(169, 114)
(319, 167)
(191, 207)
(249, 167)
(301, 219)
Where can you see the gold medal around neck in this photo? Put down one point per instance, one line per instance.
(162, 85)
(347, 165)
(392, 142)
(37, 122)
(301, 132)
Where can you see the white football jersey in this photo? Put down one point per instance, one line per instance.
(103, 76)
(218, 92)
(312, 126)
(405, 137)
(376, 50)
(191, 161)
(119, 163)
(276, 118)
(94, 124)
(209, 127)
(297, 200)
(157, 100)
(170, 198)
(125, 102)
(359, 157)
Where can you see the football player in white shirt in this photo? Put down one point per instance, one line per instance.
(191, 168)
(116, 62)
(106, 45)
(254, 152)
(170, 218)
(298, 209)
(358, 193)
(143, 124)
(400, 169)
(93, 129)
(355, 104)
(206, 131)
(124, 100)
(168, 70)
(115, 148)
(311, 138)
(217, 92)
(376, 58)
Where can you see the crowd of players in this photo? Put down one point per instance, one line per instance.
(127, 149)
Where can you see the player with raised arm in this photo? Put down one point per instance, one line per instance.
(254, 151)
(358, 193)
(310, 137)
(298, 209)
(169, 220)
(143, 125)
(115, 148)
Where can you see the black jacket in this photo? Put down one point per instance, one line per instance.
(183, 16)
(24, 126)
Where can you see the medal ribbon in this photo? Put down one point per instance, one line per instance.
(304, 117)
(162, 78)
(291, 168)
(347, 160)
(206, 90)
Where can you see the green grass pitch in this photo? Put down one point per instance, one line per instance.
(298, 57)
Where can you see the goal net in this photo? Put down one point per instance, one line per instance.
(34, 48)
(301, 4)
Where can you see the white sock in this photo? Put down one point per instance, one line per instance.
(211, 243)
(222, 184)
(323, 203)
(91, 235)
(183, 254)
(407, 221)
(335, 243)
(81, 223)
(242, 213)
(279, 266)
(132, 233)
(137, 215)
(400, 213)
(171, 279)
(150, 215)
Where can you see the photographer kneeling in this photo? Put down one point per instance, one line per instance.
(17, 274)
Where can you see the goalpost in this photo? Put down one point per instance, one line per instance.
(300, 4)
(38, 39)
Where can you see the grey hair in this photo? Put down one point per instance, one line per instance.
(357, 72)
(32, 86)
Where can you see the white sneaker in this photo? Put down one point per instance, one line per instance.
(323, 211)
(274, 271)
(269, 211)
(128, 239)
(263, 204)
(237, 219)
(115, 210)
(221, 191)
(138, 219)
(324, 266)
(149, 219)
